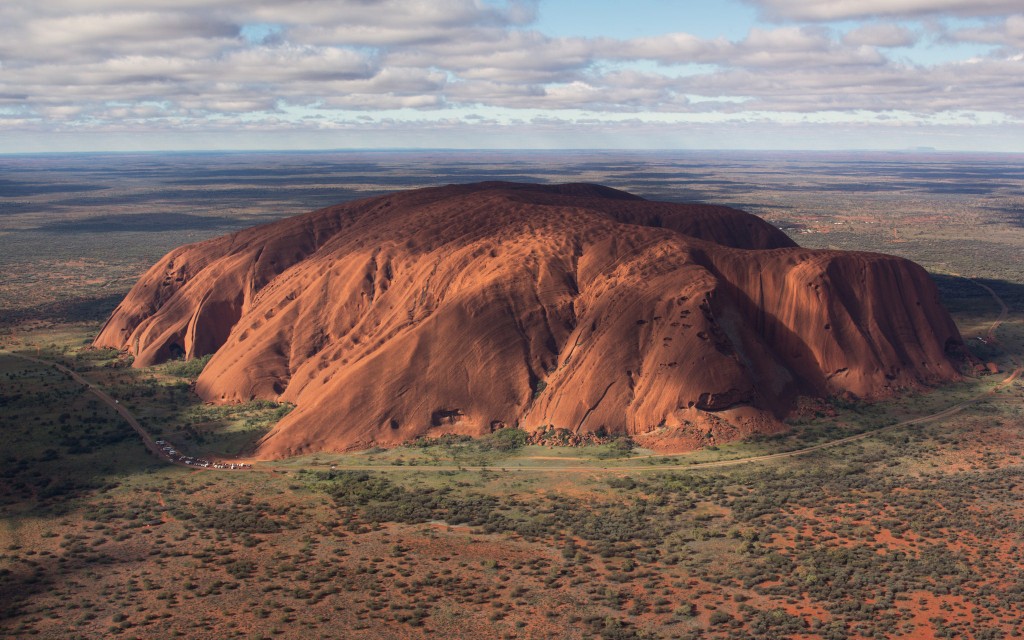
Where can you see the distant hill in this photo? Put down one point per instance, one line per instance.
(470, 308)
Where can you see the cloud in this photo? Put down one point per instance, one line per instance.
(831, 10)
(1009, 33)
(671, 47)
(808, 46)
(509, 56)
(98, 65)
(289, 63)
(881, 35)
(77, 39)
(800, 46)
(983, 86)
(140, 27)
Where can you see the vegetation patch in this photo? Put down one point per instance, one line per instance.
(188, 368)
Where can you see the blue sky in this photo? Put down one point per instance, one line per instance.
(95, 75)
(645, 18)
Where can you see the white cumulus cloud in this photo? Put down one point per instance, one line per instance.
(101, 65)
(829, 10)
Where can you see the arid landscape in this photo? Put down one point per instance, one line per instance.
(898, 517)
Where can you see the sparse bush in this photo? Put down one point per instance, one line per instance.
(189, 368)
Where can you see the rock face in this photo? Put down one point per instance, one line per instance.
(472, 307)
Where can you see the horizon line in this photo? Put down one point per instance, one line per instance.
(234, 151)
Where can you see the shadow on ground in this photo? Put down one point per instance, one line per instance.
(961, 294)
(71, 310)
(138, 222)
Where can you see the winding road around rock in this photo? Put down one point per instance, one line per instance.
(150, 442)
(1003, 311)
(147, 439)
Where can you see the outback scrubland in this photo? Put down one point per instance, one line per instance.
(912, 531)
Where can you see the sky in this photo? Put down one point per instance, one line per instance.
(134, 75)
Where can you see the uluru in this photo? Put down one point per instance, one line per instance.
(470, 308)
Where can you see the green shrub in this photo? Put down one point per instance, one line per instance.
(188, 368)
(504, 440)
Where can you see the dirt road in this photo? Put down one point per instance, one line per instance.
(147, 439)
(593, 468)
(1003, 312)
(945, 413)
(150, 443)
